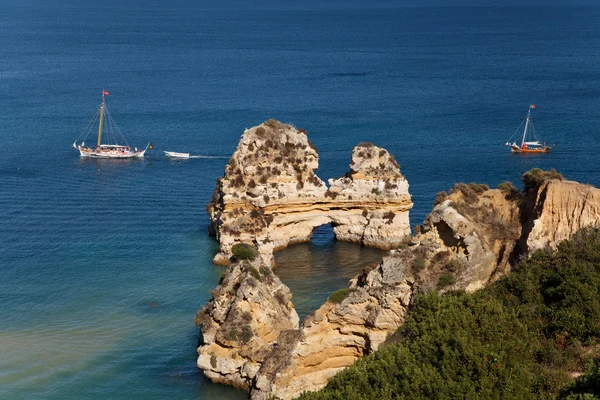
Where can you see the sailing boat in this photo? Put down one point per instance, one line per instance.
(108, 130)
(530, 142)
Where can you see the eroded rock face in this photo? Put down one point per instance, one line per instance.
(561, 209)
(470, 239)
(332, 338)
(376, 200)
(240, 323)
(270, 196)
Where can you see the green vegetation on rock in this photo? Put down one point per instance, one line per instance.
(243, 251)
(524, 337)
(339, 295)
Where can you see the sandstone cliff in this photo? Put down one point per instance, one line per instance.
(469, 236)
(561, 208)
(472, 237)
(270, 196)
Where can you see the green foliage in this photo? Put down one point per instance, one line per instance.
(246, 334)
(418, 263)
(509, 190)
(517, 339)
(478, 187)
(339, 295)
(587, 386)
(255, 274)
(244, 251)
(533, 178)
(445, 280)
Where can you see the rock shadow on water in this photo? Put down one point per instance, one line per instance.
(316, 269)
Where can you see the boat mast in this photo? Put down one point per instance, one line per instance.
(526, 125)
(101, 114)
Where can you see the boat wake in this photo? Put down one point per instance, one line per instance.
(200, 156)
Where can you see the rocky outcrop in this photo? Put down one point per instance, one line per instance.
(241, 322)
(332, 338)
(562, 208)
(469, 236)
(472, 237)
(369, 205)
(270, 196)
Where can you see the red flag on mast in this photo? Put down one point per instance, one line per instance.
(104, 92)
(532, 106)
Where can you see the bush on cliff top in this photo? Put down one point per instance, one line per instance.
(517, 339)
(533, 178)
(339, 295)
(243, 251)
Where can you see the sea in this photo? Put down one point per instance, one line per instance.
(104, 263)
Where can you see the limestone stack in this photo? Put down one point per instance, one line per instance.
(373, 200)
(240, 323)
(271, 197)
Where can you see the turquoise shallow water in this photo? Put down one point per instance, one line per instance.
(103, 264)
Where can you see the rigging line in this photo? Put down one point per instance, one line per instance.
(516, 130)
(116, 130)
(88, 128)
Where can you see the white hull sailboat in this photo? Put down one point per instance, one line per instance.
(530, 142)
(115, 145)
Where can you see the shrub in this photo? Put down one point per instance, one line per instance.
(587, 386)
(518, 338)
(331, 195)
(533, 178)
(389, 185)
(339, 295)
(261, 132)
(478, 187)
(246, 334)
(467, 191)
(389, 217)
(255, 274)
(445, 280)
(244, 251)
(254, 214)
(418, 263)
(440, 197)
(509, 190)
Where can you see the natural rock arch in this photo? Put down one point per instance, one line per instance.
(271, 197)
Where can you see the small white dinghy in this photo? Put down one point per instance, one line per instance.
(173, 154)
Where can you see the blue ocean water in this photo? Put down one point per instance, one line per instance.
(103, 264)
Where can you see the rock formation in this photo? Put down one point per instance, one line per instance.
(270, 196)
(561, 208)
(241, 322)
(469, 236)
(250, 333)
(332, 338)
